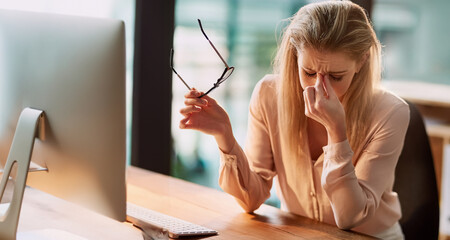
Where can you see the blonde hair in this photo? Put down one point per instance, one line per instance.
(335, 26)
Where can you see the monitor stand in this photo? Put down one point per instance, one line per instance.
(29, 126)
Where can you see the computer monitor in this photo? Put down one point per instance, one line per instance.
(72, 68)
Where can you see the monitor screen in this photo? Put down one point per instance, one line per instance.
(72, 68)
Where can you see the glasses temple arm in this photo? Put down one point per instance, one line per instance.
(212, 45)
(206, 93)
(173, 69)
(181, 79)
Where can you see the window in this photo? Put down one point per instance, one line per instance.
(415, 38)
(245, 33)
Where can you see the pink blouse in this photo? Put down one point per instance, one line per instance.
(343, 188)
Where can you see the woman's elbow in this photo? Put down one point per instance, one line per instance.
(348, 221)
(345, 224)
(248, 206)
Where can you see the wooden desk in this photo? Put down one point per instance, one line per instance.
(219, 211)
(421, 93)
(44, 216)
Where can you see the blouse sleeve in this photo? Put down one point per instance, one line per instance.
(355, 191)
(248, 176)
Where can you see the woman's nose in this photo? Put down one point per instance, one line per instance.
(318, 77)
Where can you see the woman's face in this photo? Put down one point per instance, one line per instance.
(339, 67)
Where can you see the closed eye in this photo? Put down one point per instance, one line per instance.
(310, 74)
(336, 78)
(332, 77)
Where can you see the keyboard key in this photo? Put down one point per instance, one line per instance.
(147, 218)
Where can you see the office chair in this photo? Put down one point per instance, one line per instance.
(415, 182)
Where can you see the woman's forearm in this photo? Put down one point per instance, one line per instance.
(225, 140)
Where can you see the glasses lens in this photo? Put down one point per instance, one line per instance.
(227, 74)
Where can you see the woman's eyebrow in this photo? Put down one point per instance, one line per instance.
(334, 72)
(338, 72)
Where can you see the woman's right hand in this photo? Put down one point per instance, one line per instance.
(206, 115)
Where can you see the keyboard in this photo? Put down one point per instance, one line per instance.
(145, 218)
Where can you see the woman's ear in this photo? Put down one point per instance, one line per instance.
(362, 61)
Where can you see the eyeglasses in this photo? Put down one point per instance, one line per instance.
(225, 75)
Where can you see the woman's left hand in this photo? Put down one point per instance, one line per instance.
(323, 105)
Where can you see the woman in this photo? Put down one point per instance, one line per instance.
(330, 136)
